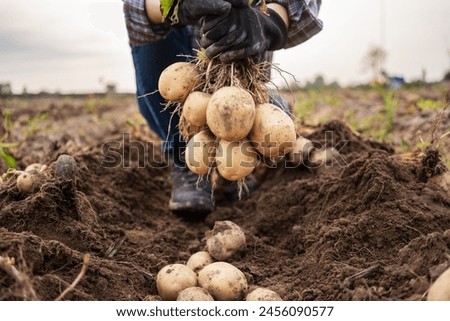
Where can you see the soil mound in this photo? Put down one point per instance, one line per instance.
(375, 225)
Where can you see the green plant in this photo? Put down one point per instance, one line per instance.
(332, 100)
(390, 104)
(9, 160)
(34, 123)
(306, 104)
(427, 104)
(7, 125)
(89, 105)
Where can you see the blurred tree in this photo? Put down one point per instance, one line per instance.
(374, 61)
(5, 89)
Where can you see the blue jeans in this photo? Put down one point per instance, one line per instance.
(149, 62)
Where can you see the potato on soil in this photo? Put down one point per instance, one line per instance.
(65, 166)
(302, 149)
(273, 132)
(174, 278)
(200, 151)
(262, 294)
(225, 239)
(177, 81)
(199, 260)
(230, 113)
(35, 166)
(235, 160)
(443, 180)
(194, 293)
(194, 108)
(319, 157)
(27, 181)
(440, 289)
(223, 281)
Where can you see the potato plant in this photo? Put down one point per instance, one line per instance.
(231, 101)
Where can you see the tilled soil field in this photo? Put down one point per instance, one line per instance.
(374, 227)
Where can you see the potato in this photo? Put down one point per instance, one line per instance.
(319, 157)
(273, 132)
(223, 281)
(443, 180)
(199, 260)
(177, 81)
(194, 108)
(27, 181)
(230, 113)
(262, 294)
(65, 166)
(35, 166)
(200, 151)
(235, 160)
(440, 289)
(194, 293)
(302, 148)
(225, 239)
(174, 278)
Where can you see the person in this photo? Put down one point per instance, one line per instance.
(229, 29)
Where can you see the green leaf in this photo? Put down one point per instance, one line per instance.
(8, 145)
(9, 160)
(166, 5)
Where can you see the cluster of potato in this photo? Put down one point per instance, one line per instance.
(232, 128)
(28, 180)
(207, 277)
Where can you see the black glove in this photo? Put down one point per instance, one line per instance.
(190, 11)
(242, 33)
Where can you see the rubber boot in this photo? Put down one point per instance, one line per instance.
(229, 191)
(189, 197)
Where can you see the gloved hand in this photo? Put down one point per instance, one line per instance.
(242, 33)
(190, 11)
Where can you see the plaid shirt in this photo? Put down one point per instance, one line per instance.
(304, 23)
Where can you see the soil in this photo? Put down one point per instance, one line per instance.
(375, 226)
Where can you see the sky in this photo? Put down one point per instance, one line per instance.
(79, 45)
